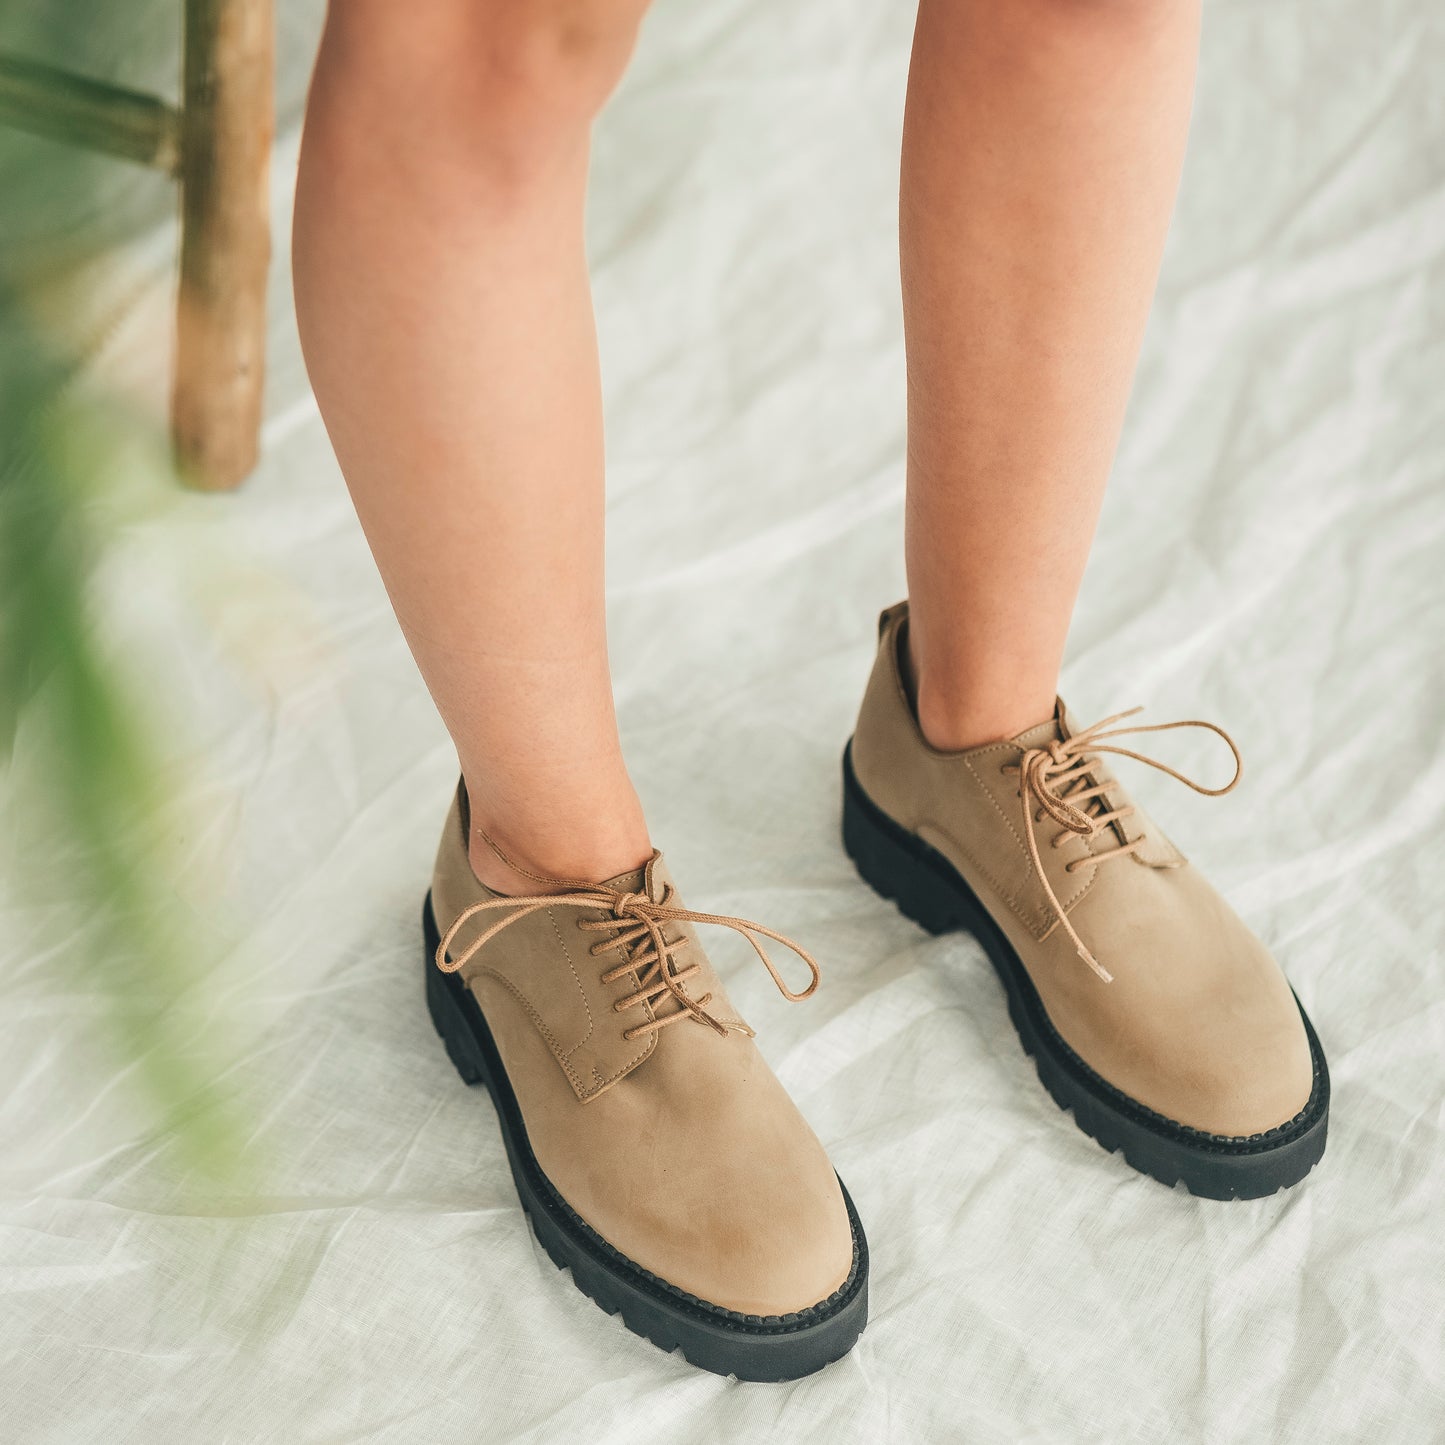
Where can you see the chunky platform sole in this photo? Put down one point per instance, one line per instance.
(928, 889)
(752, 1347)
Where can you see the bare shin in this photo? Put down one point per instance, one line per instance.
(445, 313)
(1042, 147)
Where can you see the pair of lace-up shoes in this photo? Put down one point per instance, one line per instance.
(660, 1159)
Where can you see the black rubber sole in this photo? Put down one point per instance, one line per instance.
(752, 1347)
(929, 890)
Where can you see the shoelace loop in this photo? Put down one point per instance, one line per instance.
(1048, 779)
(637, 919)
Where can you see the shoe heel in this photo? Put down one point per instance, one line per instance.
(444, 1003)
(872, 840)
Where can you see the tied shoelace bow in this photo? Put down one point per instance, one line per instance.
(1049, 779)
(636, 926)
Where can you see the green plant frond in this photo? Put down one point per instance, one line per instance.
(88, 759)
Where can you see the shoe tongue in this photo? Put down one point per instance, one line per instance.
(648, 879)
(1055, 728)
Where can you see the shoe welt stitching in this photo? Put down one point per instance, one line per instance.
(792, 1321)
(1217, 1143)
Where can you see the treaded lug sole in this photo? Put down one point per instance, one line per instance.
(755, 1352)
(928, 889)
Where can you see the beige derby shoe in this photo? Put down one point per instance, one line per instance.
(1149, 1008)
(654, 1150)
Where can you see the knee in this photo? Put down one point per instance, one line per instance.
(497, 71)
(553, 59)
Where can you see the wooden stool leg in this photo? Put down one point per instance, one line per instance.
(226, 131)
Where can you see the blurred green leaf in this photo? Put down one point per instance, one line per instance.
(88, 758)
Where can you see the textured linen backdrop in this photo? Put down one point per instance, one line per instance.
(1269, 557)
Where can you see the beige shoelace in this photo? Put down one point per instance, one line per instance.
(1048, 784)
(636, 920)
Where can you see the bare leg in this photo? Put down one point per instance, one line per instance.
(1042, 146)
(444, 306)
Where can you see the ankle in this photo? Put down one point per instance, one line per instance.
(951, 726)
(605, 847)
(956, 714)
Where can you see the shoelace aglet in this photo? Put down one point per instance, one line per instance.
(703, 1017)
(1095, 964)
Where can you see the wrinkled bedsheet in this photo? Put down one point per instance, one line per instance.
(1269, 557)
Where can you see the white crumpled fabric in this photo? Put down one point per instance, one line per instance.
(1270, 558)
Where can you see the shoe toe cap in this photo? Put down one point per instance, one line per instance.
(758, 1247)
(1232, 1078)
(1258, 1086)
